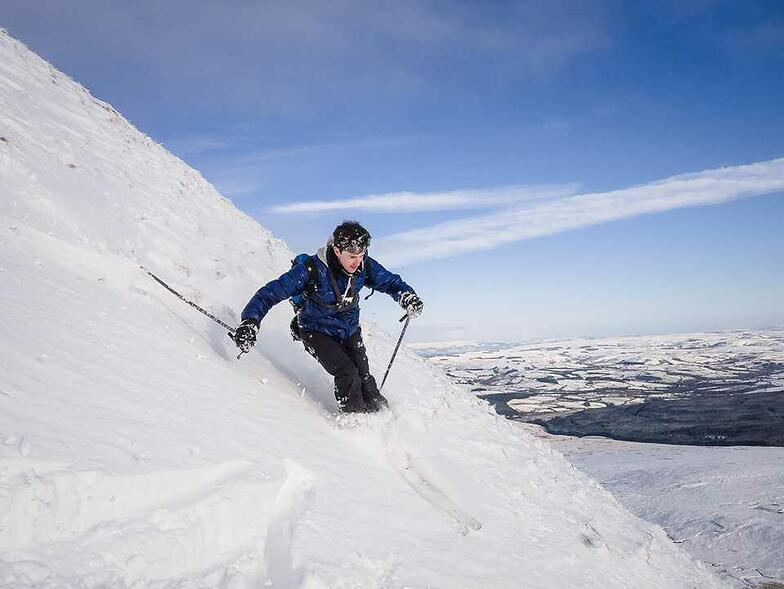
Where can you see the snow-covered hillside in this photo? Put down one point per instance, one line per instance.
(138, 451)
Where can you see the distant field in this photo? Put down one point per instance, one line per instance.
(704, 389)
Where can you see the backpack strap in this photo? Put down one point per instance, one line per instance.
(341, 304)
(310, 286)
(298, 301)
(367, 275)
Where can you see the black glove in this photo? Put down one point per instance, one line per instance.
(245, 334)
(411, 303)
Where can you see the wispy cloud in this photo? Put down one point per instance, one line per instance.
(320, 150)
(299, 56)
(409, 202)
(239, 165)
(194, 144)
(558, 126)
(537, 219)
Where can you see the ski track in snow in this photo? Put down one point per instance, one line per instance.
(412, 474)
(379, 437)
(137, 451)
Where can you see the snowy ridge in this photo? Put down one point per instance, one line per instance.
(138, 451)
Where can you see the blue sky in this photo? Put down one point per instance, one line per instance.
(460, 133)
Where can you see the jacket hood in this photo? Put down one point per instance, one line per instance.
(322, 255)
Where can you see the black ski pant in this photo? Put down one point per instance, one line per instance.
(347, 361)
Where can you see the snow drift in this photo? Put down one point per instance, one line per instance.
(138, 451)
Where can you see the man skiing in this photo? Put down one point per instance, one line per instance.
(327, 320)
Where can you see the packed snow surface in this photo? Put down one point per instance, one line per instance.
(137, 450)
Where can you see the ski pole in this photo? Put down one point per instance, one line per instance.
(399, 340)
(194, 305)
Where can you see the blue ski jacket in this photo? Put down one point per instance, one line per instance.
(319, 312)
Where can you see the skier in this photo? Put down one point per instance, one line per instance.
(327, 321)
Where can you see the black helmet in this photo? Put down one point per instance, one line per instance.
(350, 236)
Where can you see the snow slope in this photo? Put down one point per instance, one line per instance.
(138, 451)
(724, 505)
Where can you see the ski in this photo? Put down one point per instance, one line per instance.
(440, 501)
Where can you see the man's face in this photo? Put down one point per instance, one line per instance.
(348, 260)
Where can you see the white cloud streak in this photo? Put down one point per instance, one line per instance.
(410, 202)
(537, 219)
